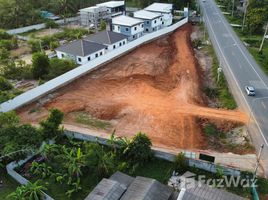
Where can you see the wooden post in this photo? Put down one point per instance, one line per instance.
(265, 33)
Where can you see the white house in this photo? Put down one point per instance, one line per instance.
(110, 39)
(152, 21)
(81, 51)
(164, 9)
(129, 26)
(115, 8)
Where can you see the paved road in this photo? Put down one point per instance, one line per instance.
(240, 70)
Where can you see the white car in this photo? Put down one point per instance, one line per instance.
(250, 90)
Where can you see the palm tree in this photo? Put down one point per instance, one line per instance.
(65, 7)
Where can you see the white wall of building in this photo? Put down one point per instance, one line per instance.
(117, 45)
(79, 59)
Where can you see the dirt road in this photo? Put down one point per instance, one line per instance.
(155, 89)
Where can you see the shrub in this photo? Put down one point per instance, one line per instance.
(40, 65)
(210, 129)
(139, 149)
(4, 35)
(5, 84)
(180, 163)
(51, 126)
(35, 45)
(17, 71)
(51, 24)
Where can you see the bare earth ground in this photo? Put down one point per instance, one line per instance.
(155, 89)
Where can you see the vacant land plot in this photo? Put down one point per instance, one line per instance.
(156, 89)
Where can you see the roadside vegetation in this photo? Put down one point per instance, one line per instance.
(256, 20)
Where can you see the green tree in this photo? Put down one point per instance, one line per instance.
(40, 65)
(4, 56)
(5, 84)
(59, 67)
(8, 119)
(51, 126)
(256, 18)
(102, 25)
(139, 149)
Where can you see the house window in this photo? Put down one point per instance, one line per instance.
(106, 48)
(126, 29)
(114, 46)
(155, 21)
(113, 28)
(120, 44)
(135, 28)
(142, 25)
(147, 29)
(79, 59)
(62, 55)
(118, 28)
(162, 22)
(101, 53)
(124, 43)
(147, 22)
(88, 58)
(134, 36)
(96, 55)
(161, 19)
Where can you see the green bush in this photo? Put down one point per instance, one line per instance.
(210, 129)
(4, 35)
(51, 24)
(17, 71)
(139, 150)
(5, 84)
(180, 163)
(51, 126)
(35, 45)
(40, 65)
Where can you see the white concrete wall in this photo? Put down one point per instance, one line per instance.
(167, 18)
(117, 45)
(139, 29)
(60, 81)
(156, 22)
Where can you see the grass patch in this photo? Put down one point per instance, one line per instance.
(88, 120)
(226, 100)
(9, 184)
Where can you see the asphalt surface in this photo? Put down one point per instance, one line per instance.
(241, 70)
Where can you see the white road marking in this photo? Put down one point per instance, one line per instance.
(263, 104)
(233, 73)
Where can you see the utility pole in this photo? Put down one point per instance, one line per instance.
(257, 163)
(265, 33)
(245, 13)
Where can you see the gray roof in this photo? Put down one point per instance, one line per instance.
(81, 48)
(106, 190)
(106, 37)
(124, 179)
(204, 192)
(146, 189)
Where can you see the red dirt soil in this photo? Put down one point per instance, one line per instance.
(155, 89)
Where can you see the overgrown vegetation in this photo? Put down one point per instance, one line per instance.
(221, 92)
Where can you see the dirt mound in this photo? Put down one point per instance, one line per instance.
(154, 89)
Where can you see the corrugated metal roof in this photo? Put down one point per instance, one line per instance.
(145, 14)
(160, 7)
(146, 189)
(106, 190)
(126, 20)
(106, 37)
(81, 48)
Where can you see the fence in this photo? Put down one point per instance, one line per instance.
(38, 26)
(20, 179)
(70, 76)
(200, 164)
